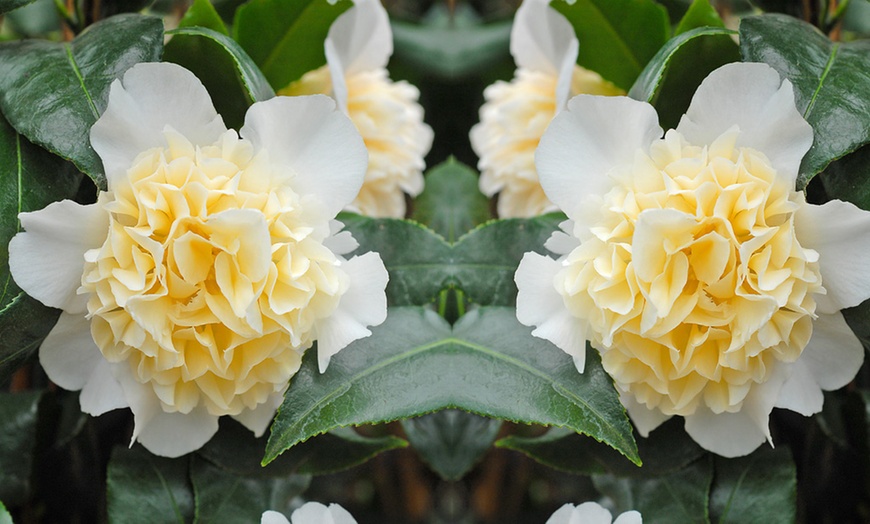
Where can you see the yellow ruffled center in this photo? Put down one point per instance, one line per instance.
(691, 277)
(212, 276)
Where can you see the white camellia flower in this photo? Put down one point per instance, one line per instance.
(193, 286)
(386, 113)
(311, 513)
(516, 113)
(591, 513)
(710, 287)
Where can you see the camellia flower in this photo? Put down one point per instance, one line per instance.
(710, 287)
(591, 513)
(311, 513)
(516, 114)
(192, 287)
(386, 113)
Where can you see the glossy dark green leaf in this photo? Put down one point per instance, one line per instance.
(681, 496)
(53, 92)
(842, 418)
(285, 37)
(452, 42)
(9, 5)
(144, 488)
(223, 497)
(202, 13)
(830, 81)
(30, 179)
(421, 263)
(617, 37)
(760, 487)
(487, 364)
(451, 441)
(667, 449)
(849, 178)
(231, 78)
(451, 205)
(670, 79)
(236, 450)
(699, 14)
(18, 416)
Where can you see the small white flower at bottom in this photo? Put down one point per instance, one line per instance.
(590, 513)
(311, 513)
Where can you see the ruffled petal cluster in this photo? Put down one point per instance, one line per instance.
(311, 513)
(709, 285)
(516, 113)
(210, 265)
(386, 113)
(591, 513)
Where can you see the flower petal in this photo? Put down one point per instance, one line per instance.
(586, 142)
(539, 304)
(339, 242)
(645, 420)
(317, 513)
(543, 40)
(629, 517)
(834, 354)
(563, 515)
(363, 304)
(102, 392)
(176, 434)
(800, 393)
(273, 517)
(840, 232)
(54, 243)
(593, 513)
(151, 97)
(317, 144)
(257, 419)
(68, 354)
(752, 97)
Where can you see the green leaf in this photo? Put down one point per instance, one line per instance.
(421, 264)
(203, 14)
(487, 364)
(223, 497)
(285, 37)
(10, 5)
(700, 14)
(235, 449)
(451, 441)
(830, 82)
(667, 449)
(145, 488)
(451, 205)
(617, 37)
(760, 487)
(680, 496)
(849, 178)
(30, 179)
(53, 92)
(231, 78)
(452, 43)
(18, 416)
(670, 79)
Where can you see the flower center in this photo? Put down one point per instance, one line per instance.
(212, 276)
(690, 275)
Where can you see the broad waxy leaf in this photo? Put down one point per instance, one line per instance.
(699, 14)
(681, 496)
(487, 364)
(145, 488)
(30, 179)
(53, 92)
(203, 14)
(18, 416)
(231, 78)
(235, 449)
(451, 441)
(285, 37)
(760, 487)
(223, 497)
(848, 178)
(9, 5)
(421, 263)
(617, 37)
(451, 205)
(667, 449)
(830, 81)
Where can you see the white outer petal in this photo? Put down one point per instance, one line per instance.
(840, 232)
(102, 392)
(543, 40)
(69, 354)
(176, 434)
(339, 242)
(151, 97)
(834, 354)
(591, 513)
(563, 515)
(47, 259)
(539, 304)
(363, 304)
(752, 97)
(644, 419)
(584, 143)
(257, 419)
(629, 517)
(317, 513)
(273, 517)
(320, 146)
